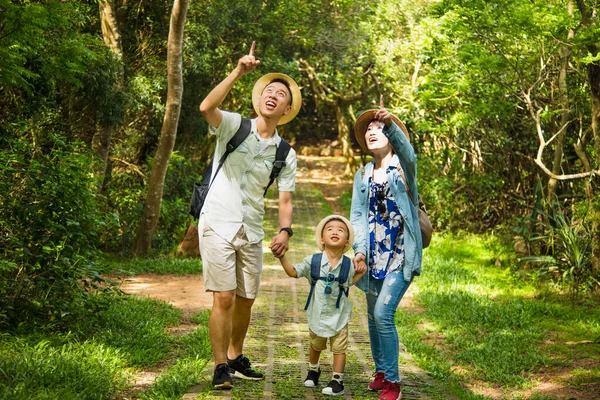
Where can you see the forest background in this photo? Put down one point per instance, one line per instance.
(101, 138)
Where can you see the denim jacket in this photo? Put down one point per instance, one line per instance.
(406, 158)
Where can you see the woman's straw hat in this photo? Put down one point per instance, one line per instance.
(362, 123)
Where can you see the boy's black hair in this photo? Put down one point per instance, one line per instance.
(284, 83)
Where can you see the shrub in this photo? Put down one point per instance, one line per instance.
(48, 226)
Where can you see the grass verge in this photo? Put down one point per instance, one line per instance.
(478, 324)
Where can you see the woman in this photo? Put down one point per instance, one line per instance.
(387, 235)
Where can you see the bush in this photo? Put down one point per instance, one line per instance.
(559, 248)
(48, 224)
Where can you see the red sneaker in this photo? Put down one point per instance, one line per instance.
(391, 391)
(378, 382)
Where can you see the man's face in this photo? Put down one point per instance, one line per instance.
(275, 101)
(335, 234)
(374, 137)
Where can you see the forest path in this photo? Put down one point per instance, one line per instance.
(277, 338)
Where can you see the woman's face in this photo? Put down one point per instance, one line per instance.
(375, 139)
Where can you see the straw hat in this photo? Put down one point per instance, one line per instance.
(260, 85)
(319, 230)
(362, 123)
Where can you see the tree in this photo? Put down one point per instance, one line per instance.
(143, 240)
(112, 38)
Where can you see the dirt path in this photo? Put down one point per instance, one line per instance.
(276, 341)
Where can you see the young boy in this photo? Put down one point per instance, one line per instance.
(328, 309)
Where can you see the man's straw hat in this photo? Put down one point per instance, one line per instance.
(260, 85)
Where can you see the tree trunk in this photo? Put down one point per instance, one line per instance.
(344, 136)
(149, 222)
(112, 38)
(565, 54)
(593, 200)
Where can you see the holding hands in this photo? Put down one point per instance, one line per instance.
(359, 263)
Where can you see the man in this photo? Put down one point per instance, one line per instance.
(230, 225)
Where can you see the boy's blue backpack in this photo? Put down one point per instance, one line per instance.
(315, 274)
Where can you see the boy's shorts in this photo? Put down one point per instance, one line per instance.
(231, 266)
(338, 343)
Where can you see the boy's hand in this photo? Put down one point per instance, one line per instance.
(279, 246)
(247, 63)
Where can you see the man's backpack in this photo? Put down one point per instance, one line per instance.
(315, 275)
(200, 189)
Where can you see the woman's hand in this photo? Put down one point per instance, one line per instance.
(383, 115)
(359, 263)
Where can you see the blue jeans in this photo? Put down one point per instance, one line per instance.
(383, 298)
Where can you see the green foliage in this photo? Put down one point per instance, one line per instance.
(49, 225)
(39, 370)
(498, 334)
(174, 382)
(560, 248)
(109, 336)
(125, 200)
(137, 327)
(158, 265)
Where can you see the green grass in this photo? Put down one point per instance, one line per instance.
(479, 323)
(160, 265)
(80, 370)
(110, 340)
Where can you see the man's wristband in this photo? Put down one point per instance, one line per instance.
(289, 231)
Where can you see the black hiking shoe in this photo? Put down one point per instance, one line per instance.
(312, 379)
(334, 388)
(240, 368)
(221, 379)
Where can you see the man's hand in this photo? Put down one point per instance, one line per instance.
(359, 263)
(247, 63)
(383, 115)
(279, 245)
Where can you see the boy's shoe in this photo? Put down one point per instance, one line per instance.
(378, 382)
(240, 368)
(312, 379)
(221, 379)
(391, 391)
(334, 388)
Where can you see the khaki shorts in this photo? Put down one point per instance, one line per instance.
(231, 266)
(338, 343)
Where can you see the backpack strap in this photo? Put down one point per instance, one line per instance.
(315, 273)
(237, 139)
(401, 172)
(200, 190)
(282, 152)
(342, 278)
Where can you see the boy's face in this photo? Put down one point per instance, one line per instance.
(335, 234)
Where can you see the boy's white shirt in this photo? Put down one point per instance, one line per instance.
(324, 319)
